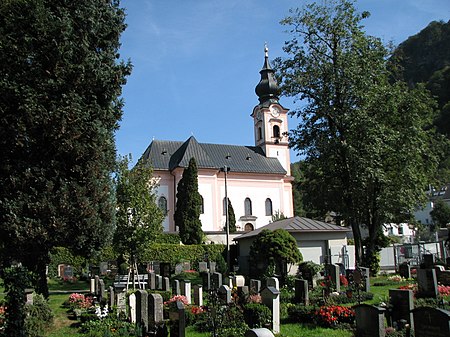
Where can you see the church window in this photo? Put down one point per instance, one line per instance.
(259, 133)
(276, 131)
(202, 205)
(248, 227)
(248, 206)
(162, 204)
(269, 207)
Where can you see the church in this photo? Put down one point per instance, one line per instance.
(255, 178)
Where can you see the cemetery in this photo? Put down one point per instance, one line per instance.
(198, 300)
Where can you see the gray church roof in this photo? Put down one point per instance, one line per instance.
(297, 225)
(168, 155)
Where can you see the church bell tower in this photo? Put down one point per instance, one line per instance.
(270, 117)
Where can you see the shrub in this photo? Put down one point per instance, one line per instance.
(110, 326)
(257, 315)
(39, 316)
(300, 313)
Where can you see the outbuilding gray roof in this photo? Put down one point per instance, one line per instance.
(168, 155)
(297, 225)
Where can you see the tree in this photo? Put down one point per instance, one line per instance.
(440, 214)
(368, 144)
(271, 251)
(189, 203)
(231, 217)
(139, 219)
(60, 83)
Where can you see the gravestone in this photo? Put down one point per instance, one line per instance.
(271, 298)
(238, 281)
(176, 290)
(92, 286)
(206, 281)
(61, 270)
(186, 290)
(166, 284)
(68, 271)
(431, 322)
(301, 291)
(212, 267)
(243, 292)
(111, 297)
(404, 270)
(164, 269)
(216, 280)
(159, 282)
(332, 272)
(361, 277)
(198, 295)
(101, 294)
(255, 286)
(402, 303)
(224, 293)
(178, 268)
(142, 309)
(121, 302)
(155, 308)
(29, 296)
(186, 265)
(259, 332)
(369, 321)
(203, 267)
(132, 307)
(427, 283)
(178, 325)
(428, 260)
(103, 268)
(273, 282)
(151, 281)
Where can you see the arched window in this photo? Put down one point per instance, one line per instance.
(248, 206)
(276, 131)
(259, 133)
(269, 207)
(202, 206)
(162, 204)
(248, 227)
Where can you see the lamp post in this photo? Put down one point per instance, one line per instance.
(226, 169)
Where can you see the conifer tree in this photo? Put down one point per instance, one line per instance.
(189, 203)
(60, 87)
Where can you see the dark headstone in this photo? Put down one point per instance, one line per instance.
(152, 281)
(427, 283)
(198, 295)
(176, 290)
(369, 321)
(428, 260)
(165, 284)
(270, 297)
(155, 308)
(224, 293)
(301, 291)
(404, 270)
(431, 322)
(216, 280)
(402, 304)
(332, 271)
(142, 309)
(111, 297)
(206, 281)
(101, 290)
(255, 286)
(178, 326)
(164, 269)
(68, 271)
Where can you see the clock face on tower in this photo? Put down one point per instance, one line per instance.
(274, 111)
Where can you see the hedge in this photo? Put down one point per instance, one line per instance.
(173, 254)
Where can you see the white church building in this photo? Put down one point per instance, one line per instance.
(256, 178)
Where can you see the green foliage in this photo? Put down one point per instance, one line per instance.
(110, 326)
(231, 217)
(39, 316)
(365, 140)
(139, 219)
(273, 249)
(16, 280)
(257, 315)
(440, 214)
(60, 82)
(171, 238)
(177, 253)
(278, 216)
(62, 255)
(189, 202)
(309, 267)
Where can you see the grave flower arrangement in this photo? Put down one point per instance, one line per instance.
(171, 304)
(79, 304)
(331, 316)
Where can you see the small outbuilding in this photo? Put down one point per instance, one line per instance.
(318, 241)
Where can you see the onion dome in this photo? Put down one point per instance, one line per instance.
(267, 88)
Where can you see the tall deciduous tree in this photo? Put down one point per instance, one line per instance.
(60, 83)
(189, 203)
(139, 219)
(366, 143)
(440, 214)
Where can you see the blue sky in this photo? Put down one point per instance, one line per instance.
(196, 63)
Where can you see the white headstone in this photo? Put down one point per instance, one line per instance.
(132, 303)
